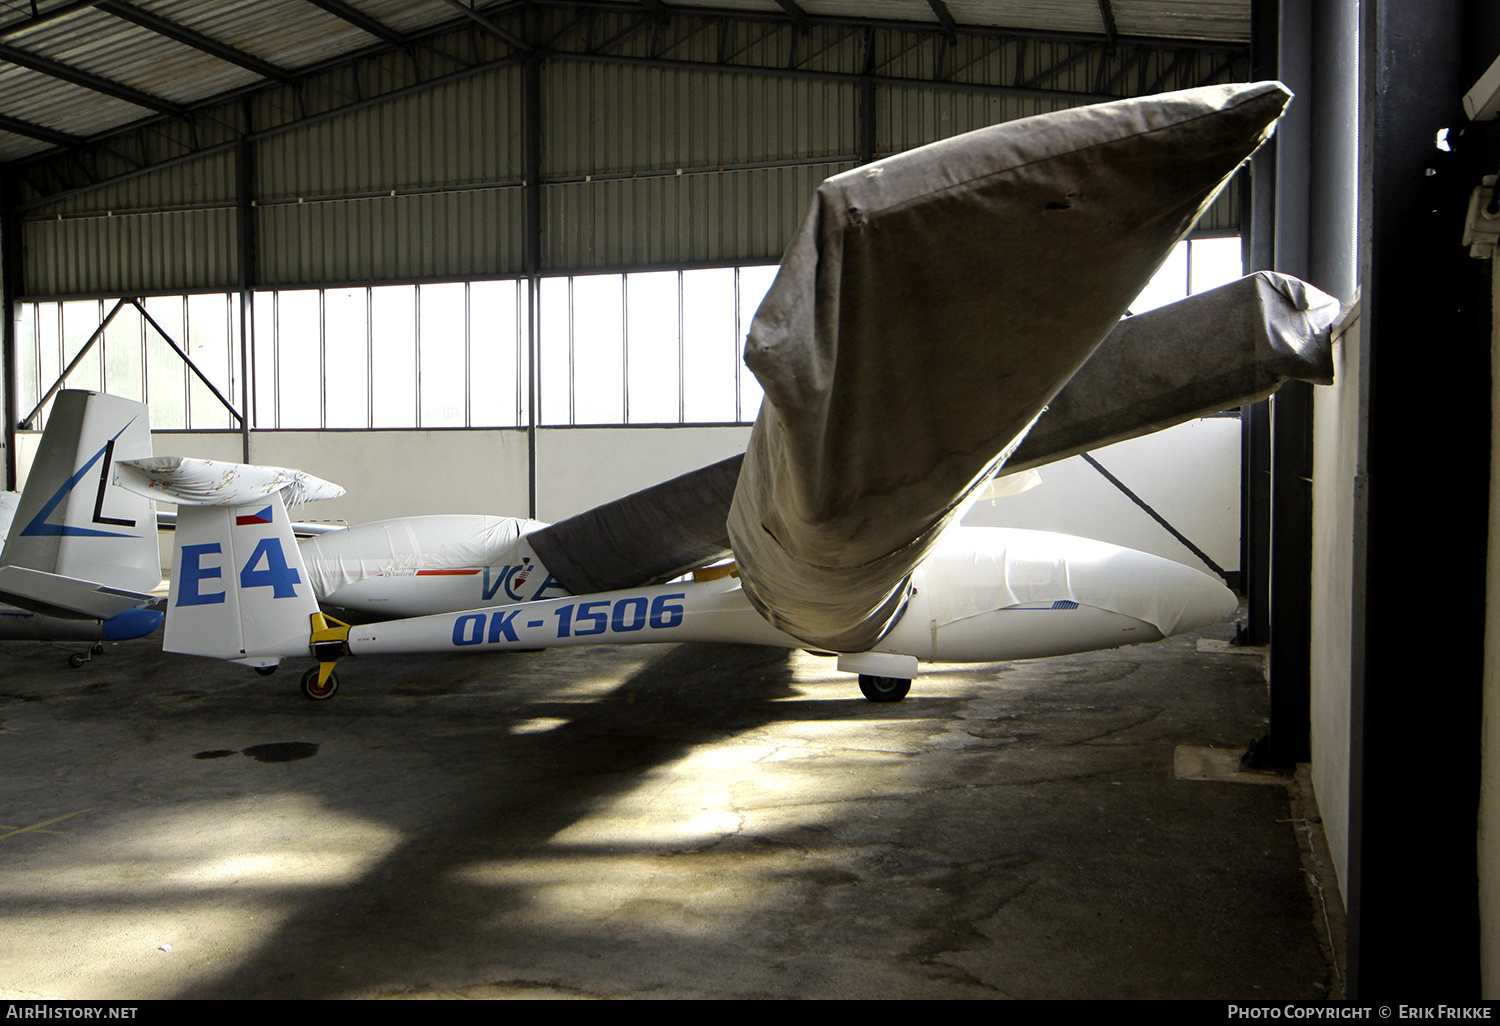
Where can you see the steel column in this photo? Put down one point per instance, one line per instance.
(533, 262)
(867, 121)
(1288, 741)
(1412, 881)
(1259, 254)
(10, 287)
(246, 238)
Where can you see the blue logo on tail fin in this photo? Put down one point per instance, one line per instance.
(39, 525)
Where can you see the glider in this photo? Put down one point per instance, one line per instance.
(944, 316)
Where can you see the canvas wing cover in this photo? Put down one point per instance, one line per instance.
(645, 538)
(1223, 348)
(1220, 349)
(930, 307)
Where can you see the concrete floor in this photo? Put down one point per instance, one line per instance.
(655, 821)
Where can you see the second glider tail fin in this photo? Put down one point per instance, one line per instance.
(79, 546)
(240, 590)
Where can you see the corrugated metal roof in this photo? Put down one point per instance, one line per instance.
(79, 70)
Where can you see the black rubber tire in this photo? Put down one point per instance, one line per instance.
(310, 686)
(883, 689)
(265, 671)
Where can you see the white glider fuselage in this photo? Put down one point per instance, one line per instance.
(413, 566)
(983, 595)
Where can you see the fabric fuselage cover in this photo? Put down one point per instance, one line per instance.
(930, 306)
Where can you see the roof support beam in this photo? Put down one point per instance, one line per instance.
(42, 17)
(797, 14)
(945, 18)
(182, 34)
(489, 26)
(88, 80)
(359, 19)
(1107, 14)
(18, 127)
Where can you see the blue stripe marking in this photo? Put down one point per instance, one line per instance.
(39, 526)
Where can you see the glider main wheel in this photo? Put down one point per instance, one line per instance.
(265, 671)
(311, 689)
(883, 689)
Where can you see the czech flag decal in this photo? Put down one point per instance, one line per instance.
(263, 517)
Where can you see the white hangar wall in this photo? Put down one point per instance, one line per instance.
(1188, 475)
(1336, 424)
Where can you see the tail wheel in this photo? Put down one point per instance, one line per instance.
(313, 690)
(883, 689)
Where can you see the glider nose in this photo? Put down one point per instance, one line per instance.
(1174, 598)
(1006, 593)
(1166, 595)
(1215, 604)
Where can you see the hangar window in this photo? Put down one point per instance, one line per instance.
(445, 355)
(658, 347)
(654, 347)
(130, 357)
(1193, 266)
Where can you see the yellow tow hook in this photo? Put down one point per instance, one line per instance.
(330, 639)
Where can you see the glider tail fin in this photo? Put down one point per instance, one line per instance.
(79, 546)
(239, 589)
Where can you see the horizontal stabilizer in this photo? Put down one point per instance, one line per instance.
(66, 597)
(193, 482)
(929, 308)
(1232, 345)
(651, 536)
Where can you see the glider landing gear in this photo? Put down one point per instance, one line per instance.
(77, 659)
(313, 689)
(330, 639)
(883, 689)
